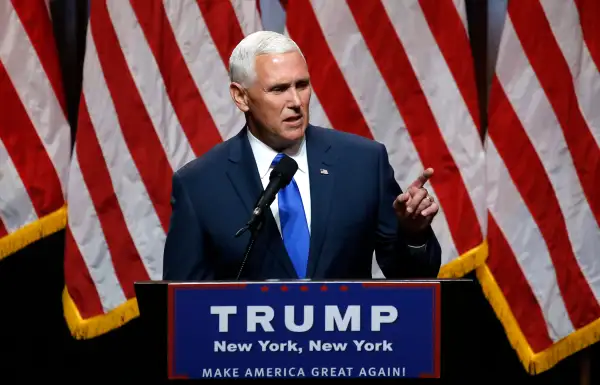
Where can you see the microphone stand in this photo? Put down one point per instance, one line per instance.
(254, 228)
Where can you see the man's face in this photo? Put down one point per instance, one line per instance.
(279, 97)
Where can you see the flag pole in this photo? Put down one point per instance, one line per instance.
(585, 367)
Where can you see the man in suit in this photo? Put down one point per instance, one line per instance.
(342, 204)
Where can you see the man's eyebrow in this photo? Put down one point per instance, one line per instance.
(279, 85)
(288, 84)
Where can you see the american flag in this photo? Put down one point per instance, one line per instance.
(542, 275)
(35, 138)
(155, 96)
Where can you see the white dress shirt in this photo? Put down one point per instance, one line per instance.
(264, 156)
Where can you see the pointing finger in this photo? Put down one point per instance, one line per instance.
(423, 178)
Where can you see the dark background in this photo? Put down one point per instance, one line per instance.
(35, 341)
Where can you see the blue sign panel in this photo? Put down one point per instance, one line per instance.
(304, 329)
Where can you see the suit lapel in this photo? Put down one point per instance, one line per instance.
(242, 172)
(244, 177)
(322, 176)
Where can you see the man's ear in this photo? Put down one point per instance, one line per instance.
(239, 96)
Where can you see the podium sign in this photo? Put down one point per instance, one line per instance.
(304, 329)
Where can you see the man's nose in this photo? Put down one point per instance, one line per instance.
(295, 100)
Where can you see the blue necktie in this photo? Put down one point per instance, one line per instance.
(294, 227)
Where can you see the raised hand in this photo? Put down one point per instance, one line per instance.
(415, 208)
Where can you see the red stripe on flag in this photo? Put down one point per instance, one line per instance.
(589, 15)
(183, 93)
(552, 70)
(140, 135)
(27, 151)
(125, 258)
(326, 77)
(451, 37)
(223, 25)
(78, 281)
(393, 63)
(36, 22)
(515, 287)
(530, 178)
(3, 231)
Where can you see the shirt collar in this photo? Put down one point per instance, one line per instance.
(264, 155)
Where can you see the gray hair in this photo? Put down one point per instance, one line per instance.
(243, 57)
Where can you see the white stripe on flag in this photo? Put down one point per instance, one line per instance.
(247, 15)
(16, 208)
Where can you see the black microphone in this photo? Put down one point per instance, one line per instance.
(280, 176)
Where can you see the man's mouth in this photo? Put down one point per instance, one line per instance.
(293, 119)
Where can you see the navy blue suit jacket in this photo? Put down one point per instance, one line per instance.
(351, 214)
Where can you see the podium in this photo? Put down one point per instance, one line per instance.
(376, 329)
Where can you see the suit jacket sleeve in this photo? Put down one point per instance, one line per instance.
(398, 255)
(184, 258)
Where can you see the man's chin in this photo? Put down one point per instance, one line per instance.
(294, 135)
(290, 137)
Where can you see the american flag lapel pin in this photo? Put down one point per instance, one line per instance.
(324, 172)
